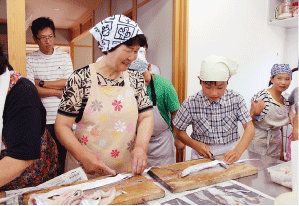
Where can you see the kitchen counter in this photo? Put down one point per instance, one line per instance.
(261, 181)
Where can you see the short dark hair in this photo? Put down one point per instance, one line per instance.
(3, 61)
(140, 40)
(42, 23)
(146, 45)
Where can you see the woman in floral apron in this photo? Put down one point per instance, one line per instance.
(107, 102)
(28, 154)
(269, 111)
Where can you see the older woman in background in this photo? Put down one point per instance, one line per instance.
(108, 102)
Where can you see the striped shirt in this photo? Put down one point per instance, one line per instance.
(268, 100)
(49, 68)
(213, 122)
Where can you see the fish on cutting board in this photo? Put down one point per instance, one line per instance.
(198, 167)
(78, 197)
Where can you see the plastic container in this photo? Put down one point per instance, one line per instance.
(280, 177)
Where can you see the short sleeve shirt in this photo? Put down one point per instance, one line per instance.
(49, 68)
(268, 100)
(24, 121)
(213, 122)
(77, 90)
(167, 98)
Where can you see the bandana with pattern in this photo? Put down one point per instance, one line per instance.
(281, 69)
(114, 30)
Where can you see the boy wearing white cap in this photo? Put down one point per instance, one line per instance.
(214, 113)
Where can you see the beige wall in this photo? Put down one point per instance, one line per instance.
(82, 57)
(83, 52)
(99, 14)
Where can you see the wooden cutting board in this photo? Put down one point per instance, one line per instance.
(169, 174)
(138, 190)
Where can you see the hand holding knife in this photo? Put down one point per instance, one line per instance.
(221, 163)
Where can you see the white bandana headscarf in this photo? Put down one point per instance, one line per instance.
(140, 64)
(217, 68)
(114, 30)
(4, 85)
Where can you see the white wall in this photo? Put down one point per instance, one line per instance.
(291, 55)
(238, 29)
(155, 20)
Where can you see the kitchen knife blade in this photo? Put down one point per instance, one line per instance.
(221, 164)
(164, 184)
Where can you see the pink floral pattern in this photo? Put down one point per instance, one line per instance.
(114, 153)
(117, 105)
(84, 140)
(130, 127)
(95, 132)
(79, 126)
(88, 111)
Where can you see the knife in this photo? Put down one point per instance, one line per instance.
(220, 161)
(153, 175)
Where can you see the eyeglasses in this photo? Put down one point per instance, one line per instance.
(45, 38)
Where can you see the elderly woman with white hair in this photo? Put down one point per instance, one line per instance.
(107, 102)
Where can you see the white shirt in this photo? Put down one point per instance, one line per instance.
(49, 68)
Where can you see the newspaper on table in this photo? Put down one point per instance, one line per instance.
(69, 177)
(225, 193)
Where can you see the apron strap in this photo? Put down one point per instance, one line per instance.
(154, 96)
(268, 139)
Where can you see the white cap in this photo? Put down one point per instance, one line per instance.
(217, 68)
(155, 69)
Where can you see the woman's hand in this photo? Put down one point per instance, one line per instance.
(231, 156)
(203, 149)
(139, 160)
(93, 164)
(257, 106)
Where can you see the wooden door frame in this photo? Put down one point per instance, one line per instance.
(180, 55)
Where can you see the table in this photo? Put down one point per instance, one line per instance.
(261, 181)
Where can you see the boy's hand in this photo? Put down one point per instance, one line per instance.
(203, 149)
(231, 156)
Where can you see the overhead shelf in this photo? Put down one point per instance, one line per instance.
(285, 23)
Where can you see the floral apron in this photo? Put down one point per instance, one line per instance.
(42, 169)
(161, 149)
(108, 125)
(267, 139)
